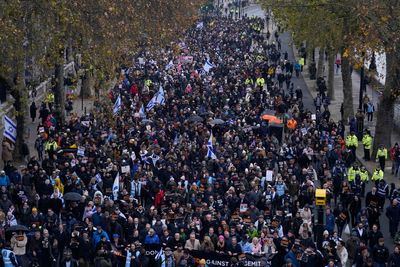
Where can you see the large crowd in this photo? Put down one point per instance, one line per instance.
(204, 170)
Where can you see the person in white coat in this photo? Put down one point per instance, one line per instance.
(342, 253)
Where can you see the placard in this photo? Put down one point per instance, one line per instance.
(313, 117)
(269, 175)
(80, 151)
(243, 207)
(125, 169)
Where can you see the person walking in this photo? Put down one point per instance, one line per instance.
(32, 111)
(370, 110)
(382, 156)
(7, 151)
(393, 214)
(367, 143)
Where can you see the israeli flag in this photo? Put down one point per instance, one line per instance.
(208, 66)
(10, 129)
(210, 148)
(160, 99)
(151, 103)
(117, 105)
(115, 188)
(200, 25)
(142, 112)
(169, 65)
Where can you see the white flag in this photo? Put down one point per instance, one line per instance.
(10, 129)
(116, 187)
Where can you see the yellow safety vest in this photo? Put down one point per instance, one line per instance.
(367, 141)
(351, 174)
(377, 175)
(382, 153)
(364, 176)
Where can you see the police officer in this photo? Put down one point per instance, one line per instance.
(8, 256)
(381, 156)
(352, 172)
(352, 143)
(377, 175)
(364, 179)
(382, 192)
(367, 142)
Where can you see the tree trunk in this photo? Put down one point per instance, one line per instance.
(87, 83)
(20, 104)
(348, 110)
(320, 67)
(385, 112)
(331, 74)
(59, 93)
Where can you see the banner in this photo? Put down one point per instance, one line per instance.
(223, 260)
(151, 252)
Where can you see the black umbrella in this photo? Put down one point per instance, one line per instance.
(17, 228)
(195, 118)
(268, 112)
(72, 196)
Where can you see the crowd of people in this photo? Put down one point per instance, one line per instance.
(200, 170)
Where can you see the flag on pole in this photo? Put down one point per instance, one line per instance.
(142, 112)
(160, 96)
(210, 148)
(200, 25)
(169, 65)
(151, 103)
(10, 129)
(116, 187)
(117, 105)
(208, 66)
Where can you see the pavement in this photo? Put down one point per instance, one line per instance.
(309, 93)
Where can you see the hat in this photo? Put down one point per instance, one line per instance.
(221, 237)
(326, 232)
(115, 235)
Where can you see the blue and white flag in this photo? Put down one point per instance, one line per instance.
(158, 98)
(151, 103)
(117, 105)
(142, 112)
(208, 66)
(200, 25)
(115, 188)
(169, 65)
(10, 129)
(210, 148)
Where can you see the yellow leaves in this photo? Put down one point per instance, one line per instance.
(384, 19)
(345, 53)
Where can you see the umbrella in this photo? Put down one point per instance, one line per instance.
(72, 196)
(147, 121)
(216, 122)
(195, 118)
(17, 228)
(268, 112)
(271, 118)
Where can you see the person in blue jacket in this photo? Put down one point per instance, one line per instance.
(329, 221)
(152, 237)
(98, 234)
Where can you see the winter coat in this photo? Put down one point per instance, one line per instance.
(7, 151)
